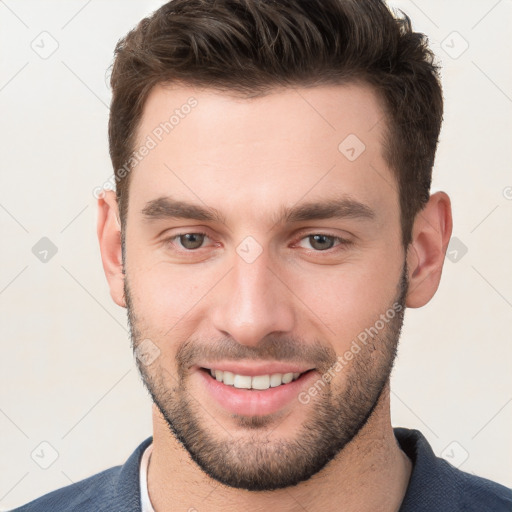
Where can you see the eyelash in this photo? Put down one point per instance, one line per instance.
(342, 241)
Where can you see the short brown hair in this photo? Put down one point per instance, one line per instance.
(250, 47)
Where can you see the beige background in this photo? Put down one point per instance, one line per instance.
(67, 373)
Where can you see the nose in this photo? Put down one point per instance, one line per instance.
(253, 302)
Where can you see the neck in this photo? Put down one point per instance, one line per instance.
(370, 474)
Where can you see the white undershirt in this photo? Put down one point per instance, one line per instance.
(144, 495)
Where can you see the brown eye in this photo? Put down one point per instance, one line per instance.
(191, 241)
(321, 242)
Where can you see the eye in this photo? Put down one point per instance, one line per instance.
(319, 242)
(188, 241)
(323, 242)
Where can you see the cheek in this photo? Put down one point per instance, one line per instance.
(166, 297)
(163, 291)
(348, 298)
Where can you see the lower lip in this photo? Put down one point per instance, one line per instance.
(253, 402)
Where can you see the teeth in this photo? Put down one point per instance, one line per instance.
(228, 378)
(261, 382)
(275, 380)
(258, 382)
(242, 382)
(287, 377)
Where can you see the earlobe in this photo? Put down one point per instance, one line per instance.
(425, 255)
(109, 237)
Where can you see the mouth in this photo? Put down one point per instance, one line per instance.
(253, 382)
(255, 395)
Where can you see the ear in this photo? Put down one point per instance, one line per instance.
(431, 234)
(109, 237)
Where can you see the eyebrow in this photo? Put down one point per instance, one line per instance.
(333, 208)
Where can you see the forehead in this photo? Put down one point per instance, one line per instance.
(265, 152)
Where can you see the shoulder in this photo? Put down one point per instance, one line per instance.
(479, 494)
(471, 493)
(90, 494)
(114, 490)
(437, 485)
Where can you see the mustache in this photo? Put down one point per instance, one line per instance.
(271, 348)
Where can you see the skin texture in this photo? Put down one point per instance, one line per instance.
(299, 301)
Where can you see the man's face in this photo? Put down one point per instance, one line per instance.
(253, 287)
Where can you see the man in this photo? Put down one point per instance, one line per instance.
(271, 222)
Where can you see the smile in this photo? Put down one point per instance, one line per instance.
(258, 382)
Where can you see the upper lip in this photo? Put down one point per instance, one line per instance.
(252, 369)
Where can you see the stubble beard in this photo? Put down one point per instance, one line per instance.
(249, 457)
